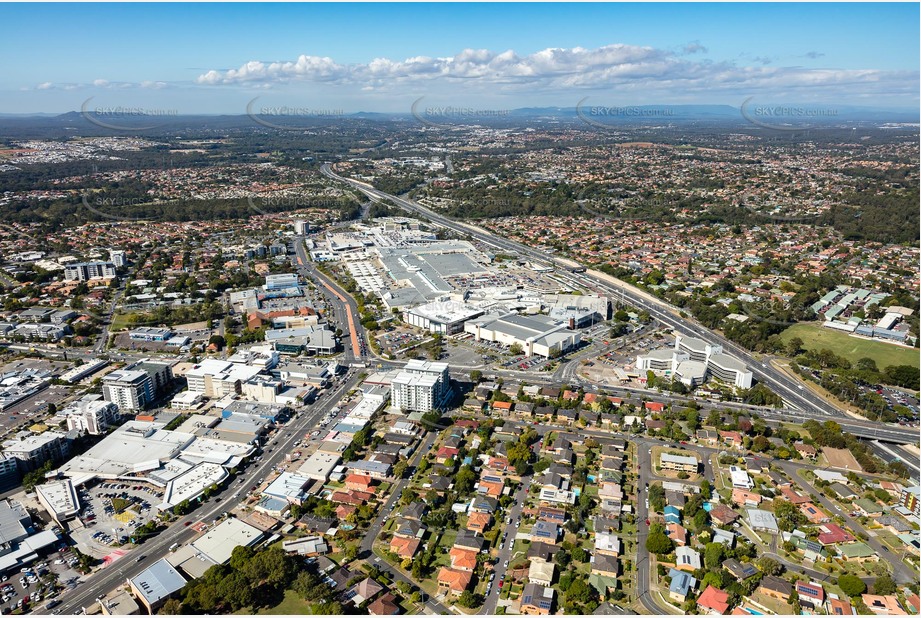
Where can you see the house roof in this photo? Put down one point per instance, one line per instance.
(537, 596)
(541, 570)
(386, 605)
(714, 599)
(457, 581)
(777, 585)
(403, 547)
(463, 558)
(681, 582)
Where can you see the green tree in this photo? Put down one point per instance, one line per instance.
(172, 607)
(464, 480)
(851, 585)
(713, 555)
(884, 585)
(769, 566)
(658, 542)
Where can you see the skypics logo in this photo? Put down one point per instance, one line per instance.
(110, 207)
(115, 118)
(276, 205)
(609, 118)
(288, 117)
(791, 118)
(449, 116)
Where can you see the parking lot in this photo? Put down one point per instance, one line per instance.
(34, 585)
(112, 511)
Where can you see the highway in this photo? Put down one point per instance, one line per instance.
(106, 579)
(795, 394)
(344, 308)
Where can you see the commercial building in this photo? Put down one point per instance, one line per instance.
(79, 372)
(665, 359)
(692, 361)
(319, 465)
(445, 316)
(216, 378)
(59, 499)
(579, 311)
(306, 339)
(730, 369)
(18, 546)
(215, 546)
(291, 488)
(536, 335)
(84, 271)
(281, 282)
(155, 584)
(421, 386)
(146, 333)
(696, 349)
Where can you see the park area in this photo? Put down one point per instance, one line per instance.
(852, 348)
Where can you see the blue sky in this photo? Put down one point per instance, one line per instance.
(216, 58)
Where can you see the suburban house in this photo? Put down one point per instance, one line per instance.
(541, 573)
(681, 584)
(713, 601)
(453, 581)
(536, 599)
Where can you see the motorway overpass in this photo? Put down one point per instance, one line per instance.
(793, 393)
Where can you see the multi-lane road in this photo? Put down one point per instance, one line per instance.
(343, 307)
(660, 310)
(793, 393)
(106, 579)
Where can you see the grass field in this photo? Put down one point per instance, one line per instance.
(852, 348)
(291, 605)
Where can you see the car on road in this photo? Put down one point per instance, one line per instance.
(505, 564)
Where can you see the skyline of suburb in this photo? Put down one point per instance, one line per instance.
(216, 59)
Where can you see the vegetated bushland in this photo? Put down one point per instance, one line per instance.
(878, 213)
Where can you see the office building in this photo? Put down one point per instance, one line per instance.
(154, 585)
(281, 282)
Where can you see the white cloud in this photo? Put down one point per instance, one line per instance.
(612, 67)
